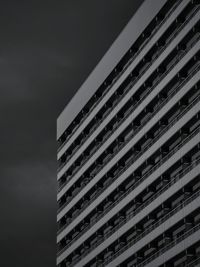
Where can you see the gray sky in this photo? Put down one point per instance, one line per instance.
(47, 50)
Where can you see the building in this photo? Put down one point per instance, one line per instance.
(129, 148)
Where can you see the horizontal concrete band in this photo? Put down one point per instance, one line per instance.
(121, 79)
(131, 32)
(186, 58)
(125, 201)
(183, 245)
(174, 250)
(149, 237)
(137, 137)
(141, 214)
(112, 187)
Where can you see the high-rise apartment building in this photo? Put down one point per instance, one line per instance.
(129, 148)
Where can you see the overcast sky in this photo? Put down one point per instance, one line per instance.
(47, 50)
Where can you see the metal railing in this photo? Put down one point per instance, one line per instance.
(175, 33)
(179, 57)
(170, 245)
(193, 263)
(164, 130)
(177, 30)
(143, 234)
(131, 189)
(136, 130)
(125, 68)
(141, 207)
(152, 227)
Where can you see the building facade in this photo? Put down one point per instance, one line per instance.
(129, 148)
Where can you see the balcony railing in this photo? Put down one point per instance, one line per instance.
(179, 57)
(131, 85)
(164, 130)
(135, 185)
(141, 207)
(151, 228)
(140, 236)
(193, 263)
(170, 245)
(124, 69)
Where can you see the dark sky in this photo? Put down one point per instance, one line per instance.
(47, 50)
